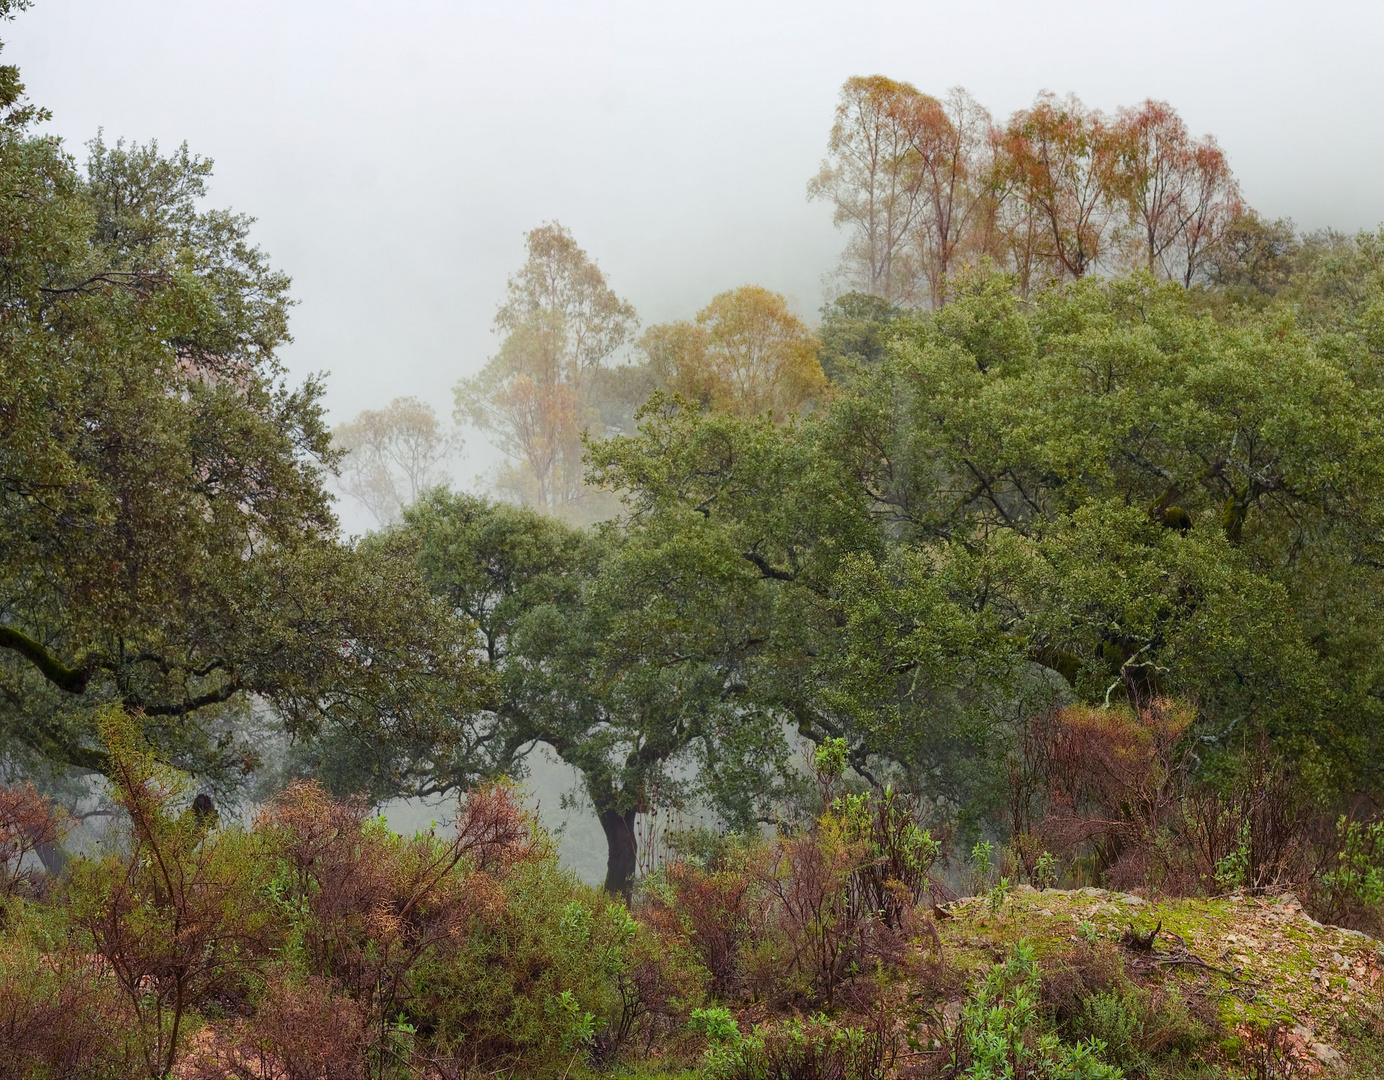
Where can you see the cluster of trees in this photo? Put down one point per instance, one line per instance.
(1098, 494)
(554, 383)
(926, 186)
(964, 501)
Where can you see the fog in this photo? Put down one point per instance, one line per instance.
(396, 153)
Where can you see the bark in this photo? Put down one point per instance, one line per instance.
(622, 852)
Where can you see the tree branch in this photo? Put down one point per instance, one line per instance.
(72, 680)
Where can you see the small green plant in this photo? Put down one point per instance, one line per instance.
(1232, 868)
(998, 895)
(1088, 931)
(1045, 871)
(576, 1027)
(1358, 877)
(830, 758)
(717, 1024)
(1002, 1030)
(982, 866)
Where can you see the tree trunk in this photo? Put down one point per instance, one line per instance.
(621, 852)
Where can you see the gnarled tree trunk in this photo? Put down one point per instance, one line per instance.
(622, 851)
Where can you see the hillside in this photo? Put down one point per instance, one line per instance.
(1276, 992)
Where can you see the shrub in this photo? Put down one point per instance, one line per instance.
(534, 978)
(61, 1011)
(712, 906)
(1002, 1036)
(180, 914)
(813, 1049)
(28, 820)
(1349, 887)
(304, 1029)
(368, 907)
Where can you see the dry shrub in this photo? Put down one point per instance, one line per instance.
(1115, 777)
(1254, 833)
(1068, 981)
(180, 916)
(821, 932)
(1122, 793)
(28, 820)
(61, 1014)
(713, 911)
(798, 918)
(663, 983)
(380, 903)
(302, 1030)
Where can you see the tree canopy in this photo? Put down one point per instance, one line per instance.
(165, 540)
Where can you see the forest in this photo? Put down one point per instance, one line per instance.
(948, 673)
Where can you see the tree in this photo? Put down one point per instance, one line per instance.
(872, 178)
(613, 653)
(561, 322)
(1180, 192)
(1095, 495)
(854, 333)
(392, 455)
(746, 354)
(952, 141)
(165, 541)
(1061, 157)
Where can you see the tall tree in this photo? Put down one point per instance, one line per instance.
(1061, 158)
(872, 178)
(623, 655)
(952, 141)
(745, 354)
(165, 540)
(561, 322)
(392, 455)
(1180, 192)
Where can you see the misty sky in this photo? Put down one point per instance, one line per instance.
(395, 153)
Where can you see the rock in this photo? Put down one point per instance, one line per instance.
(1025, 890)
(1130, 898)
(1355, 934)
(1327, 1056)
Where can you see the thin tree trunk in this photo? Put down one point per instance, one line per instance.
(622, 852)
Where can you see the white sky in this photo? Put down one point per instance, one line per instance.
(395, 153)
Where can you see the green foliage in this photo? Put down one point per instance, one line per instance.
(1003, 1036)
(535, 979)
(717, 1024)
(1356, 874)
(812, 1049)
(854, 333)
(1140, 1027)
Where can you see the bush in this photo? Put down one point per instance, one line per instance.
(813, 1049)
(1002, 1035)
(534, 978)
(180, 915)
(61, 1012)
(28, 821)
